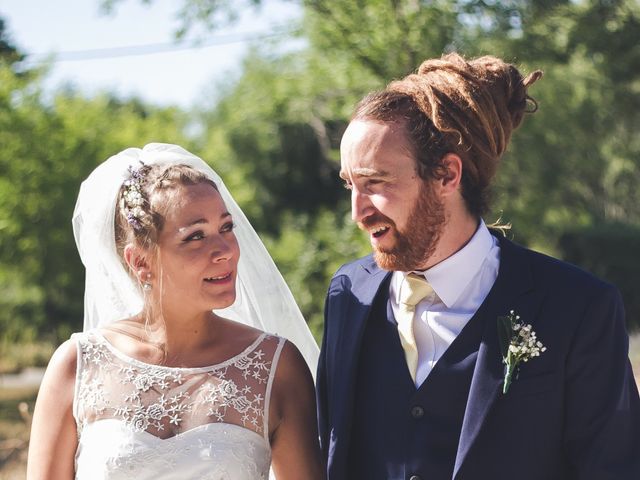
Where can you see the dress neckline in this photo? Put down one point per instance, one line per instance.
(216, 366)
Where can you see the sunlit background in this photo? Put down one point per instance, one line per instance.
(262, 90)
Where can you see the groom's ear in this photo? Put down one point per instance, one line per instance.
(451, 181)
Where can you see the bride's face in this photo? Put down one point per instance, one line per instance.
(198, 251)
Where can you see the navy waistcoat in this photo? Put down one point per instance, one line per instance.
(398, 431)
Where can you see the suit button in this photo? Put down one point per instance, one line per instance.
(417, 412)
(415, 477)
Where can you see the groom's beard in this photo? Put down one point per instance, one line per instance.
(414, 247)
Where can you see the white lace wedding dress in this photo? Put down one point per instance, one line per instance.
(141, 421)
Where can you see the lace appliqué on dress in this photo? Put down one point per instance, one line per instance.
(210, 419)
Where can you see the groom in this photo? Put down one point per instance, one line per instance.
(411, 381)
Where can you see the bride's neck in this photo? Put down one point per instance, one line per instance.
(180, 334)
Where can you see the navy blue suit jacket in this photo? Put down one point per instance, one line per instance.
(572, 413)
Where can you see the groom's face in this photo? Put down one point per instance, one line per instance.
(389, 200)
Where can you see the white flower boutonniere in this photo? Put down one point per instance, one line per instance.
(518, 343)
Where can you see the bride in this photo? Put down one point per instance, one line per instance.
(174, 375)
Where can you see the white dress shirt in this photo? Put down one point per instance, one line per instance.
(460, 283)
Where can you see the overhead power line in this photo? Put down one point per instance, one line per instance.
(147, 49)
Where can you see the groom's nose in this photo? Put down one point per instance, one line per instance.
(361, 205)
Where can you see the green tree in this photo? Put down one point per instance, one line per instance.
(46, 150)
(572, 164)
(576, 160)
(8, 52)
(273, 137)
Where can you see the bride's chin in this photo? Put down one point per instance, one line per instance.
(221, 303)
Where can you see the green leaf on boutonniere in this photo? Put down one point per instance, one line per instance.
(505, 331)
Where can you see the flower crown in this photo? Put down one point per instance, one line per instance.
(132, 198)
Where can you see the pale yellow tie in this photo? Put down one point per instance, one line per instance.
(412, 291)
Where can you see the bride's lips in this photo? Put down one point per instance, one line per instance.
(219, 279)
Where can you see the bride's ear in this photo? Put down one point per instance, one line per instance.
(138, 261)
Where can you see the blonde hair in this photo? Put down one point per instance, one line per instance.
(157, 183)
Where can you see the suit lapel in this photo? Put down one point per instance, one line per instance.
(513, 290)
(365, 286)
(363, 292)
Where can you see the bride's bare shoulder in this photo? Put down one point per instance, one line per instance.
(66, 357)
(292, 375)
(60, 375)
(292, 366)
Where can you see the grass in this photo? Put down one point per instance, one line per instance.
(16, 406)
(16, 356)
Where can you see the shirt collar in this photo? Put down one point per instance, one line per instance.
(451, 277)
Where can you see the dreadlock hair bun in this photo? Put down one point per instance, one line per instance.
(454, 105)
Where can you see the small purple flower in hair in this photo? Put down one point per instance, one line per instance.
(133, 221)
(133, 198)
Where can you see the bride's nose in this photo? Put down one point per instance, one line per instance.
(223, 249)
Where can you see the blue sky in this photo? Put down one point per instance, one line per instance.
(179, 77)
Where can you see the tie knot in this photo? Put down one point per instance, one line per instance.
(413, 290)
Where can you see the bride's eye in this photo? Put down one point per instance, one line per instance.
(199, 235)
(227, 227)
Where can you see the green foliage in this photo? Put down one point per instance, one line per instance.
(577, 160)
(308, 251)
(16, 356)
(610, 252)
(273, 134)
(9, 54)
(386, 38)
(46, 150)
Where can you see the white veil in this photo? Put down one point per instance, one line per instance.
(263, 298)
